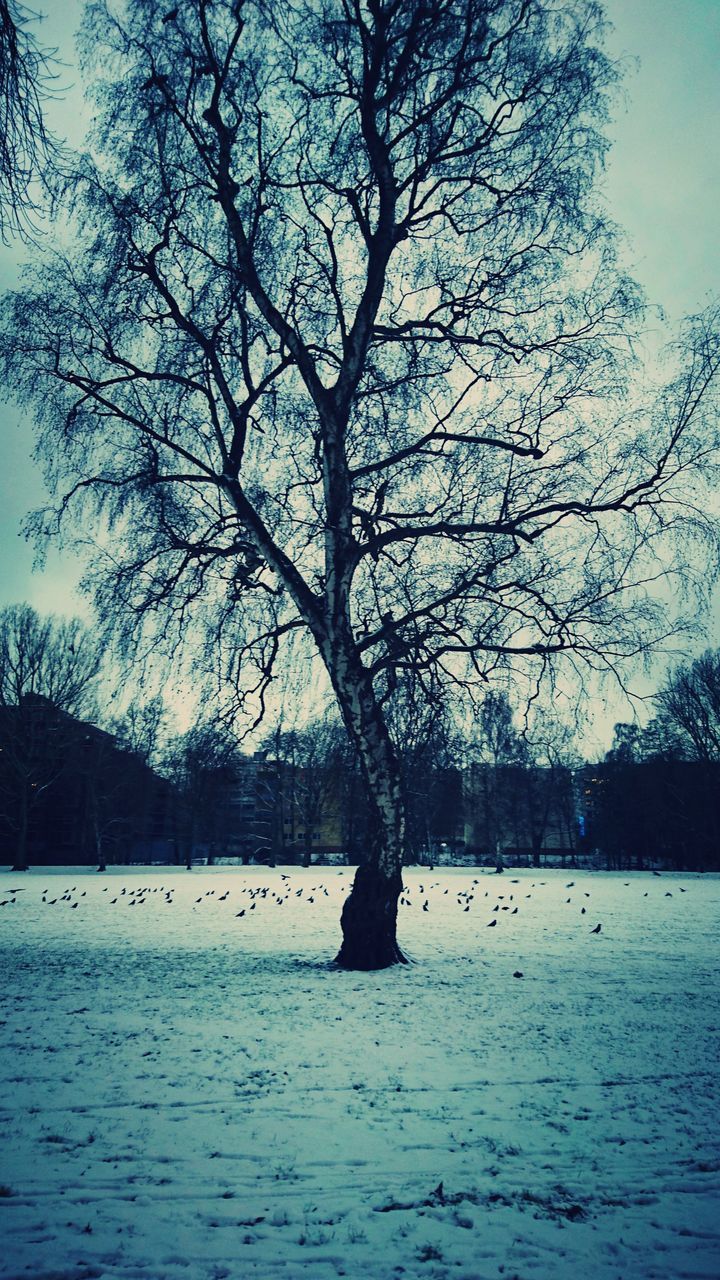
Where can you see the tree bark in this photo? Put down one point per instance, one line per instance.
(21, 847)
(369, 921)
(99, 850)
(369, 916)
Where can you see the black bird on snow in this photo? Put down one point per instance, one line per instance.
(425, 905)
(239, 913)
(467, 908)
(597, 928)
(492, 924)
(582, 911)
(571, 885)
(514, 911)
(668, 894)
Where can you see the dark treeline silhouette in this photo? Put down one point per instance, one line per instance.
(656, 796)
(74, 792)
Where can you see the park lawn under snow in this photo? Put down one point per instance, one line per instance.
(189, 1092)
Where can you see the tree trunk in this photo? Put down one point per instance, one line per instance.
(21, 862)
(99, 850)
(369, 921)
(369, 916)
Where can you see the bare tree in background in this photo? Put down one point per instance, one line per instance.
(48, 669)
(545, 792)
(494, 748)
(201, 765)
(141, 729)
(312, 761)
(423, 734)
(689, 708)
(120, 785)
(27, 149)
(345, 348)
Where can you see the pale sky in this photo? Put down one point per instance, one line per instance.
(663, 187)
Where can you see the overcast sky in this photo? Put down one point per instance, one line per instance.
(663, 186)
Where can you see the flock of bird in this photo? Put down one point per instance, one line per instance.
(465, 899)
(266, 895)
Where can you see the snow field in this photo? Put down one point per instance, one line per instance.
(192, 1092)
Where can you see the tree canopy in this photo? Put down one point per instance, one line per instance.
(27, 148)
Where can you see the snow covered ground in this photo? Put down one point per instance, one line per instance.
(189, 1092)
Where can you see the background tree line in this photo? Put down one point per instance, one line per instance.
(656, 795)
(103, 786)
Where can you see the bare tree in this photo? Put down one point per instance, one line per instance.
(200, 763)
(27, 148)
(422, 731)
(120, 785)
(48, 669)
(545, 792)
(347, 349)
(141, 729)
(689, 707)
(311, 761)
(494, 749)
(109, 802)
